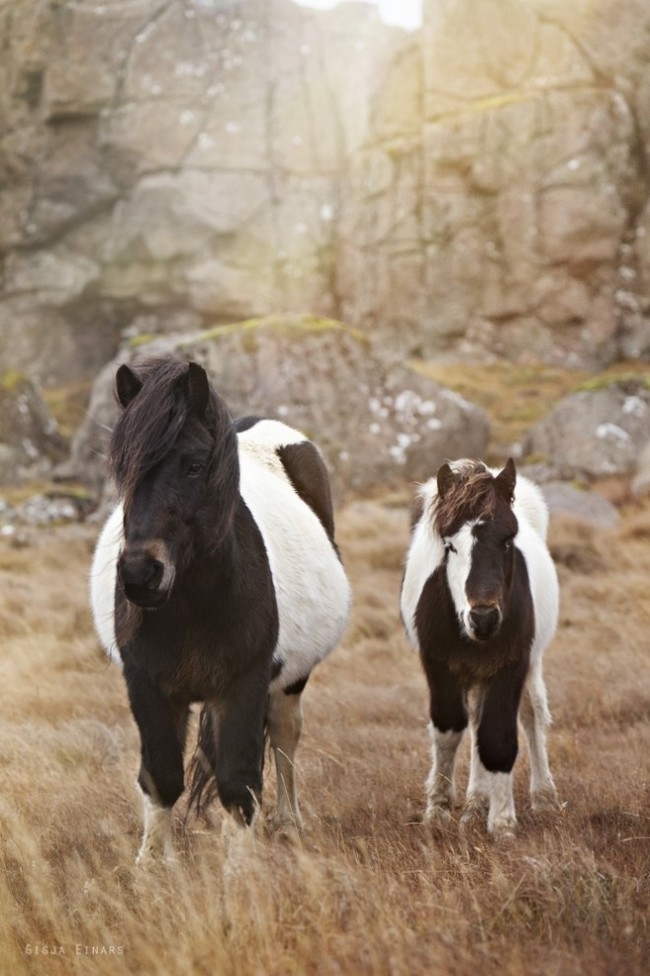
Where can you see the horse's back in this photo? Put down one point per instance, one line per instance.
(287, 493)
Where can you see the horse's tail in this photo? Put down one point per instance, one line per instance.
(202, 782)
(201, 777)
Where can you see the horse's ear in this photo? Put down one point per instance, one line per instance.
(506, 479)
(198, 388)
(446, 479)
(127, 385)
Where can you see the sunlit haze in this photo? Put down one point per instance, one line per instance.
(402, 13)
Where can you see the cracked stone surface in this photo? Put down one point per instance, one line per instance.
(477, 189)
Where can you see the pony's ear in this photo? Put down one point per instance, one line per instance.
(127, 385)
(198, 388)
(446, 479)
(506, 479)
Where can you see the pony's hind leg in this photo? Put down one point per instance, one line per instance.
(535, 719)
(478, 785)
(284, 724)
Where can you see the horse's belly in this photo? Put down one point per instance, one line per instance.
(311, 587)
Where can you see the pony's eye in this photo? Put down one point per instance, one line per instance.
(507, 544)
(449, 547)
(195, 468)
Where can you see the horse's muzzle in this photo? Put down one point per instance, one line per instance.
(142, 577)
(484, 621)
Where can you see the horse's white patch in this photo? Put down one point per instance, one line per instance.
(459, 564)
(425, 554)
(311, 587)
(103, 576)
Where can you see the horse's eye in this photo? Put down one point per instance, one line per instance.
(507, 544)
(449, 547)
(195, 468)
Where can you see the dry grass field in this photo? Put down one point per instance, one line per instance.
(368, 889)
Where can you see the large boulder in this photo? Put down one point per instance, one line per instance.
(376, 424)
(594, 433)
(30, 441)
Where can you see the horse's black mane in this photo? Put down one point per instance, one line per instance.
(150, 426)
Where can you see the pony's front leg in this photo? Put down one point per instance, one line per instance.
(162, 726)
(239, 747)
(497, 746)
(448, 712)
(285, 723)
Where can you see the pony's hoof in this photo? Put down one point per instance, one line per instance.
(287, 831)
(437, 815)
(546, 801)
(503, 830)
(154, 857)
(474, 815)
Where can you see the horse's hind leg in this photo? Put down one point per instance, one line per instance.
(285, 723)
(535, 718)
(478, 786)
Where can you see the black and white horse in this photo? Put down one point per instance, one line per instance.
(480, 602)
(215, 580)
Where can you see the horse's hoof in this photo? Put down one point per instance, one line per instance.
(504, 829)
(437, 815)
(474, 814)
(546, 801)
(289, 832)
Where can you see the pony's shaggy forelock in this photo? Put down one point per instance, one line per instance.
(473, 495)
(151, 424)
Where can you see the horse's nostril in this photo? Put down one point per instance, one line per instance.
(484, 620)
(140, 570)
(156, 575)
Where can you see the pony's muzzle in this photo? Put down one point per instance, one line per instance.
(484, 621)
(143, 578)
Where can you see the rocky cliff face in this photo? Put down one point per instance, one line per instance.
(480, 188)
(169, 164)
(502, 203)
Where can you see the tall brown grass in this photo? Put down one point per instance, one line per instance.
(368, 889)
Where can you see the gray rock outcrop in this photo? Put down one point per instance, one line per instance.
(375, 424)
(30, 441)
(594, 433)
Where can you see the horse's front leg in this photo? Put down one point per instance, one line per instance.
(448, 712)
(497, 746)
(239, 747)
(162, 725)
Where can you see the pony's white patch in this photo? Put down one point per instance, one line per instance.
(459, 564)
(501, 815)
(440, 782)
(157, 834)
(312, 590)
(103, 577)
(426, 552)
